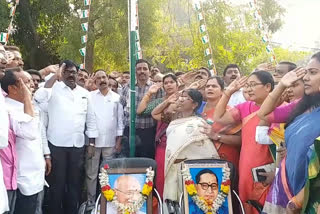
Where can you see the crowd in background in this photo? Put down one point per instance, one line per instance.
(58, 124)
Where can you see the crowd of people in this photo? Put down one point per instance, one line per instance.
(58, 124)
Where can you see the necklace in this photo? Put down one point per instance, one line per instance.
(208, 208)
(109, 193)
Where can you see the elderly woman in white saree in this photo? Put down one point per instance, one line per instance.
(185, 141)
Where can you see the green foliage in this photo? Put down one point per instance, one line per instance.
(169, 32)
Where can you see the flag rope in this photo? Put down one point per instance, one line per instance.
(205, 37)
(4, 36)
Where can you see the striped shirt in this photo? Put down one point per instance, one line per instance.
(142, 121)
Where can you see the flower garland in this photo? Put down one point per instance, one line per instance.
(109, 193)
(208, 208)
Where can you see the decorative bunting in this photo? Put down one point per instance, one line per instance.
(268, 48)
(265, 36)
(83, 51)
(84, 14)
(12, 11)
(203, 28)
(87, 2)
(4, 37)
(205, 39)
(197, 6)
(265, 39)
(200, 17)
(207, 52)
(84, 26)
(84, 39)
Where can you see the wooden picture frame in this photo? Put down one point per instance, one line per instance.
(196, 168)
(125, 171)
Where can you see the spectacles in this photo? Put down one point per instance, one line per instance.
(130, 192)
(205, 186)
(252, 85)
(184, 98)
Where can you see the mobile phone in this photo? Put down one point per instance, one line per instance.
(260, 178)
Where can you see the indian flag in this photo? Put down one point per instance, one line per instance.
(203, 28)
(197, 5)
(12, 11)
(212, 72)
(200, 16)
(207, 52)
(84, 14)
(269, 48)
(84, 39)
(87, 2)
(265, 39)
(4, 37)
(205, 39)
(84, 26)
(83, 51)
(210, 62)
(81, 66)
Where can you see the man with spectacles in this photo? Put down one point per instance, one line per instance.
(207, 185)
(127, 189)
(69, 108)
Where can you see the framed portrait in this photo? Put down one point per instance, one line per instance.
(205, 185)
(127, 185)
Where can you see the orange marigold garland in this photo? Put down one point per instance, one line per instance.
(206, 206)
(109, 193)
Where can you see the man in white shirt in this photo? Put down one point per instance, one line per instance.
(69, 112)
(27, 127)
(230, 73)
(109, 117)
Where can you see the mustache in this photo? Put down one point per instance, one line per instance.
(102, 83)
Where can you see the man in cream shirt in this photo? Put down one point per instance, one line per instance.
(109, 117)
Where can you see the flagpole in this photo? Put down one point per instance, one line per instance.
(132, 59)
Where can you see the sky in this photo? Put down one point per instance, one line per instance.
(300, 28)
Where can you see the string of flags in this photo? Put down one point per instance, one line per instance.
(4, 36)
(205, 37)
(264, 31)
(84, 14)
(134, 25)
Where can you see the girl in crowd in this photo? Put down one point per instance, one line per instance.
(296, 186)
(227, 139)
(183, 139)
(170, 86)
(258, 86)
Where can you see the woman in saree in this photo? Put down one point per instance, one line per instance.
(184, 141)
(227, 139)
(296, 186)
(258, 85)
(170, 86)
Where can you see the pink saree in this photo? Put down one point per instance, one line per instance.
(252, 155)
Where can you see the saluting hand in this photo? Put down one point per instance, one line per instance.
(236, 85)
(292, 76)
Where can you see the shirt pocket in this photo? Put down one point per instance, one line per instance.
(82, 105)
